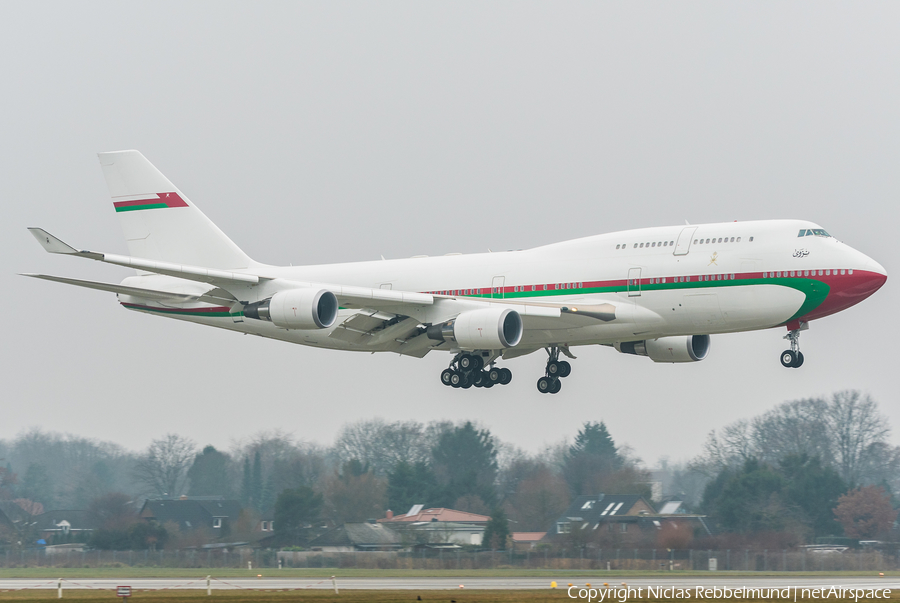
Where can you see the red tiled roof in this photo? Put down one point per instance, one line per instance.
(527, 536)
(440, 515)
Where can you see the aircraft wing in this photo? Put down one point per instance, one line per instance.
(136, 291)
(424, 307)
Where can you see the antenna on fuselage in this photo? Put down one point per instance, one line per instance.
(687, 223)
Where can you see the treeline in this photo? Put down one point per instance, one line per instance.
(780, 478)
(372, 466)
(806, 469)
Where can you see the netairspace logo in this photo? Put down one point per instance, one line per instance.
(789, 593)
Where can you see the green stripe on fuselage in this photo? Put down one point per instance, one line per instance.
(814, 290)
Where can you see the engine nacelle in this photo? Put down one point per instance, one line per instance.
(297, 309)
(687, 348)
(487, 329)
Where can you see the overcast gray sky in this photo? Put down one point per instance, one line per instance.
(332, 131)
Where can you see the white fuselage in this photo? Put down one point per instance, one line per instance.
(662, 281)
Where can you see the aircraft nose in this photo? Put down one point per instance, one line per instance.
(869, 280)
(873, 266)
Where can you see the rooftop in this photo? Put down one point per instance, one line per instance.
(439, 514)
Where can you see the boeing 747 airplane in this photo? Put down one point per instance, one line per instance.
(657, 292)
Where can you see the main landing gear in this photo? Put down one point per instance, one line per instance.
(467, 370)
(793, 358)
(556, 369)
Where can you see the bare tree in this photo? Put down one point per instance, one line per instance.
(845, 431)
(795, 427)
(730, 449)
(382, 445)
(163, 468)
(858, 434)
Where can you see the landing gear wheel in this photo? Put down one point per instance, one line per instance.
(446, 374)
(468, 381)
(477, 362)
(788, 359)
(505, 376)
(456, 379)
(565, 369)
(479, 379)
(486, 382)
(494, 375)
(544, 385)
(466, 362)
(557, 385)
(799, 362)
(553, 369)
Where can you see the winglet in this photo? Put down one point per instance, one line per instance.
(53, 245)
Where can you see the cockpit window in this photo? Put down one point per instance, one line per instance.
(813, 232)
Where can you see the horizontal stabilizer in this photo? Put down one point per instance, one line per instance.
(52, 244)
(134, 291)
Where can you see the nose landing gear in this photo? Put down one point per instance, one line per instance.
(793, 358)
(556, 369)
(467, 370)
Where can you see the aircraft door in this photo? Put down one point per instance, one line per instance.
(634, 282)
(497, 287)
(683, 245)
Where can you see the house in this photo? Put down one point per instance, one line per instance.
(526, 540)
(12, 515)
(193, 512)
(358, 537)
(626, 519)
(66, 526)
(438, 526)
(589, 516)
(418, 513)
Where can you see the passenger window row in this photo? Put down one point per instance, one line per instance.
(804, 273)
(696, 242)
(643, 245)
(719, 240)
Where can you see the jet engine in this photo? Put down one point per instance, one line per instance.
(296, 309)
(487, 329)
(688, 348)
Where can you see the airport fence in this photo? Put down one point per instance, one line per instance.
(750, 560)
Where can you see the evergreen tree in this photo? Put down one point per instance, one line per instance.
(295, 510)
(496, 532)
(209, 474)
(267, 500)
(749, 500)
(592, 460)
(37, 486)
(813, 489)
(594, 439)
(465, 462)
(246, 484)
(413, 484)
(256, 484)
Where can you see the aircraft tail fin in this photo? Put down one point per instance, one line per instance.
(159, 221)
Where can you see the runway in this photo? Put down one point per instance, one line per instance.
(444, 583)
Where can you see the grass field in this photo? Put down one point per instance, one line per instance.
(167, 572)
(357, 596)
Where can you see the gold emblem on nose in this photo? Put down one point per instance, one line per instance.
(713, 258)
